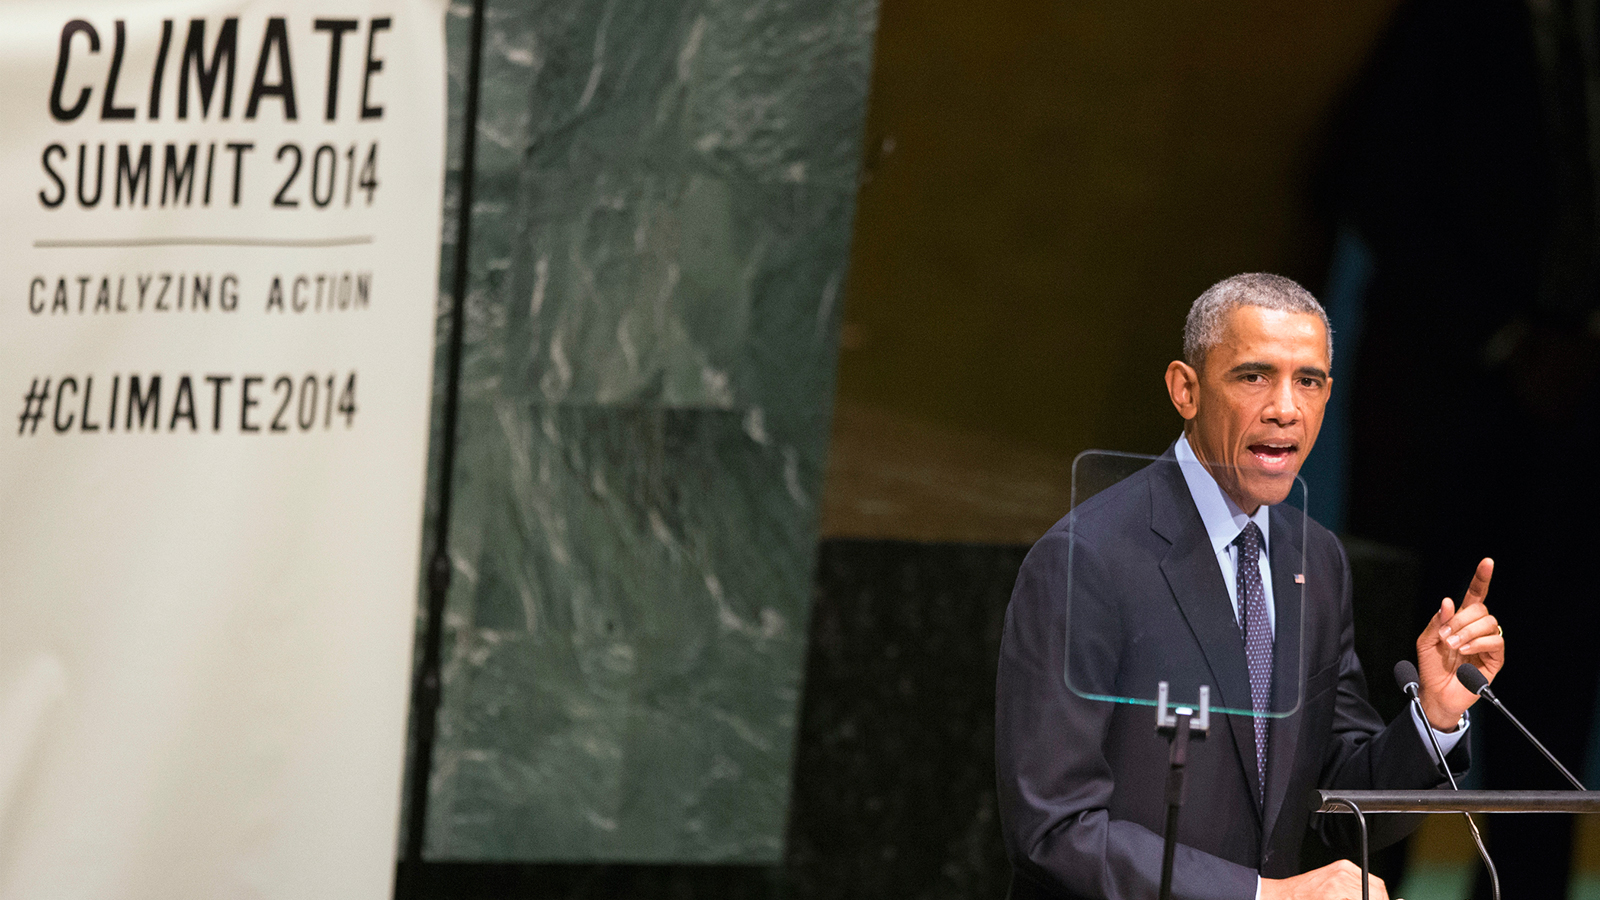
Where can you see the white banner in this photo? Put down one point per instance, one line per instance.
(221, 239)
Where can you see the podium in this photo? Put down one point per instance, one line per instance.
(1361, 803)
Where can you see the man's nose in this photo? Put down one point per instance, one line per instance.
(1283, 408)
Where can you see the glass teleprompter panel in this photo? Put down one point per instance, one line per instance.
(1148, 589)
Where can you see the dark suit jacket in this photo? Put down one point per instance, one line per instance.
(1081, 782)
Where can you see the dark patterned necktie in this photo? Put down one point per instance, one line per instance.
(1257, 631)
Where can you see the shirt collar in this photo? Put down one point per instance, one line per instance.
(1222, 517)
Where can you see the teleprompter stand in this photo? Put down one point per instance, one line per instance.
(1360, 803)
(1178, 726)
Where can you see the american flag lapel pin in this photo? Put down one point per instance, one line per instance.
(1299, 578)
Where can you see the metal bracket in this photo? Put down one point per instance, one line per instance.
(1168, 721)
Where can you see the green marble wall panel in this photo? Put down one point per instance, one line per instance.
(659, 242)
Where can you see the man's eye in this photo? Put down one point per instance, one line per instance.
(1253, 377)
(1310, 382)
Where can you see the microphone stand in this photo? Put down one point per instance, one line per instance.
(1494, 877)
(1178, 727)
(1487, 695)
(1474, 681)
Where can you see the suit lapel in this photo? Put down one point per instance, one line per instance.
(1288, 666)
(1192, 573)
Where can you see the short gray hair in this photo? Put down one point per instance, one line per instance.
(1209, 313)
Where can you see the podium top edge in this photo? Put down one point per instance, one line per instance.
(1446, 801)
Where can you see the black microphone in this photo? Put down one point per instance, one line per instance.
(1473, 680)
(1405, 675)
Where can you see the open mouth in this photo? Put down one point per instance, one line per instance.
(1274, 455)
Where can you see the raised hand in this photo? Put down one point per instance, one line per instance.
(1455, 635)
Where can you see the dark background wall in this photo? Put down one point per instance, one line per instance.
(1047, 187)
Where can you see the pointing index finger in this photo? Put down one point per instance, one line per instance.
(1479, 589)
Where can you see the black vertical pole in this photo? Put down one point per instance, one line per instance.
(425, 689)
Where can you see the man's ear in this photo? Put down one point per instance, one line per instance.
(1183, 386)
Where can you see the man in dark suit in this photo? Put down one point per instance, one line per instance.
(1185, 572)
